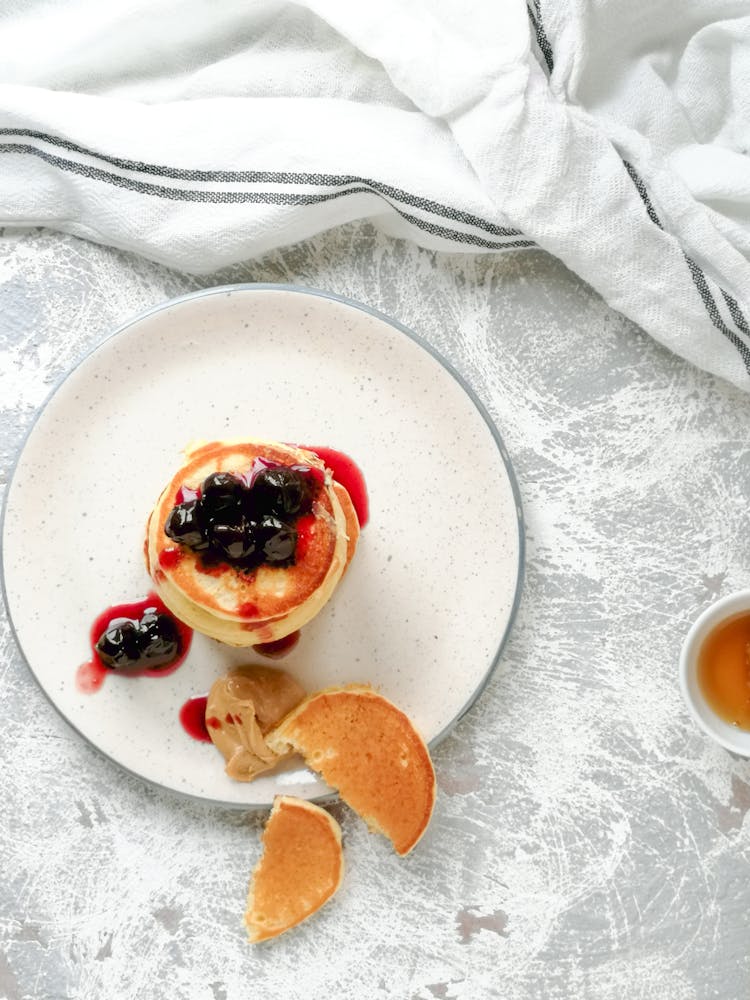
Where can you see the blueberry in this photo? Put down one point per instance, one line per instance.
(119, 647)
(280, 491)
(158, 639)
(276, 540)
(226, 510)
(221, 510)
(221, 489)
(234, 540)
(221, 483)
(259, 465)
(184, 525)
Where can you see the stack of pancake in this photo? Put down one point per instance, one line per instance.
(245, 608)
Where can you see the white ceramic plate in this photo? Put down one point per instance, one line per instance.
(429, 598)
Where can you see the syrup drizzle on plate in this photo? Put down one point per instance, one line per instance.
(193, 718)
(346, 472)
(278, 647)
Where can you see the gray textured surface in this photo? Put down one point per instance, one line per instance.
(588, 841)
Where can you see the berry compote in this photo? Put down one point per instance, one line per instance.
(245, 520)
(141, 638)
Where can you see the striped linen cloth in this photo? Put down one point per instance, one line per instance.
(612, 133)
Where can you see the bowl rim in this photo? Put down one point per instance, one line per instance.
(723, 608)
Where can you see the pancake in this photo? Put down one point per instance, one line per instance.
(365, 746)
(301, 868)
(241, 607)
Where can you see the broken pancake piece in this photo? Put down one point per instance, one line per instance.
(300, 869)
(368, 749)
(242, 706)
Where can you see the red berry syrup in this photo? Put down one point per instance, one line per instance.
(193, 718)
(279, 647)
(346, 472)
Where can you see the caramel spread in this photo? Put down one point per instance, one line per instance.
(242, 707)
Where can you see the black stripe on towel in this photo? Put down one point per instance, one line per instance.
(735, 312)
(641, 189)
(535, 16)
(281, 198)
(700, 281)
(270, 177)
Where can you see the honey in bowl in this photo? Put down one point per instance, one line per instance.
(724, 670)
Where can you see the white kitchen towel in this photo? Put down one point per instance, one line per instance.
(612, 133)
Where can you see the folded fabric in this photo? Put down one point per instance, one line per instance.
(612, 133)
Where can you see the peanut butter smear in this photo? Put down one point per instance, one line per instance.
(242, 707)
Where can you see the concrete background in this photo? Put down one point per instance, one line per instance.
(588, 840)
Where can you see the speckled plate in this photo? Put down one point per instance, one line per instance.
(430, 596)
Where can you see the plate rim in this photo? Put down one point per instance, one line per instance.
(330, 797)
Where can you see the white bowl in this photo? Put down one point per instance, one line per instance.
(730, 737)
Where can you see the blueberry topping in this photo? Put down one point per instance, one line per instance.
(149, 643)
(245, 520)
(221, 497)
(235, 540)
(184, 525)
(282, 491)
(119, 646)
(159, 639)
(276, 540)
(221, 486)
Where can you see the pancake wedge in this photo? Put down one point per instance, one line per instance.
(246, 603)
(301, 868)
(368, 749)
